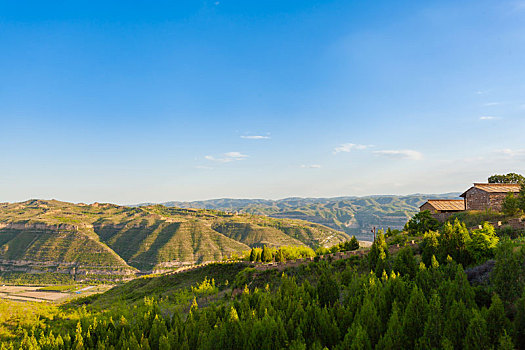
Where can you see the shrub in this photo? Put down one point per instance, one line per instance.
(421, 223)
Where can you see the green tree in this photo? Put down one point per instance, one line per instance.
(253, 255)
(357, 338)
(79, 340)
(434, 324)
(482, 244)
(279, 256)
(510, 178)
(505, 342)
(521, 198)
(369, 319)
(429, 246)
(393, 339)
(519, 323)
(354, 244)
(164, 343)
(476, 337)
(327, 290)
(415, 317)
(405, 262)
(511, 205)
(496, 320)
(507, 275)
(421, 223)
(454, 240)
(267, 255)
(378, 255)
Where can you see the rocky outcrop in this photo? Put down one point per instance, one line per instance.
(41, 226)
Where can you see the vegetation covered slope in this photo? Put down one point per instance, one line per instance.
(342, 304)
(353, 215)
(56, 236)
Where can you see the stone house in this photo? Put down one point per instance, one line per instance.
(441, 209)
(483, 196)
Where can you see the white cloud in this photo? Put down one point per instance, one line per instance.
(402, 154)
(227, 157)
(513, 153)
(255, 137)
(311, 166)
(348, 147)
(489, 117)
(235, 155)
(488, 104)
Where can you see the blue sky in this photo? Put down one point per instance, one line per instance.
(133, 101)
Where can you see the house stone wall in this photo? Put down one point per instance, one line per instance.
(477, 199)
(428, 207)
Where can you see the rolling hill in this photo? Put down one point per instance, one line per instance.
(107, 240)
(353, 215)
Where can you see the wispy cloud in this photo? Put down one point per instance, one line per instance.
(311, 166)
(489, 104)
(255, 137)
(227, 157)
(489, 117)
(401, 154)
(348, 147)
(513, 153)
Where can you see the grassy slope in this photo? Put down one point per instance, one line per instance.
(124, 237)
(167, 285)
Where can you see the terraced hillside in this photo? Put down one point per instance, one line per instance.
(110, 240)
(353, 215)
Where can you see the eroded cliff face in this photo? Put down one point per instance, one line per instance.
(74, 249)
(40, 226)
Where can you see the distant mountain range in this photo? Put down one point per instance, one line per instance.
(353, 215)
(107, 240)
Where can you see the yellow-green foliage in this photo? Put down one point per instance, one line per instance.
(206, 287)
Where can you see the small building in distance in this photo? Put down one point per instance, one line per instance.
(483, 196)
(441, 209)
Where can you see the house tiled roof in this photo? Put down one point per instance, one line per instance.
(495, 188)
(447, 204)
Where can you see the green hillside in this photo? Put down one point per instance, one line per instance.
(353, 215)
(106, 239)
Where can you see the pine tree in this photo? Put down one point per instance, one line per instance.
(429, 246)
(354, 244)
(476, 337)
(519, 323)
(496, 320)
(327, 290)
(457, 322)
(369, 319)
(79, 340)
(164, 343)
(434, 324)
(405, 263)
(414, 317)
(393, 339)
(505, 342)
(253, 255)
(266, 254)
